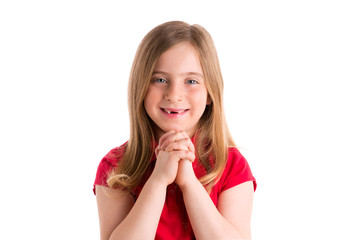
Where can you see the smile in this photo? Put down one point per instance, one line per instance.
(173, 112)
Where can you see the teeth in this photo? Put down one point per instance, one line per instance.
(169, 112)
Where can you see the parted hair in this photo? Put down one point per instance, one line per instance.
(212, 135)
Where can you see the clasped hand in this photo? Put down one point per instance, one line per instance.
(174, 156)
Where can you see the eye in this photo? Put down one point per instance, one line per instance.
(192, 81)
(160, 80)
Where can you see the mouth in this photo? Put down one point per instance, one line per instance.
(174, 110)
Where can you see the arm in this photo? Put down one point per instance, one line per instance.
(121, 218)
(232, 218)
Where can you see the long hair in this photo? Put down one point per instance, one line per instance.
(212, 136)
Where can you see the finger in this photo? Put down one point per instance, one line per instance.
(186, 141)
(164, 136)
(176, 146)
(182, 144)
(157, 150)
(185, 134)
(171, 138)
(185, 155)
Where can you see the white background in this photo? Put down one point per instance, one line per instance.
(291, 72)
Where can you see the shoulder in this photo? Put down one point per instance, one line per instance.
(237, 170)
(108, 163)
(235, 158)
(234, 154)
(115, 155)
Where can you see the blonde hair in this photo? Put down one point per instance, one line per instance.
(212, 137)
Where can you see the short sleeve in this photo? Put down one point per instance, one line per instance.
(106, 165)
(237, 171)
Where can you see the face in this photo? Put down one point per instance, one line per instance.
(177, 96)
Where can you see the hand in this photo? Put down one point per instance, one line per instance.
(175, 141)
(185, 174)
(172, 148)
(179, 141)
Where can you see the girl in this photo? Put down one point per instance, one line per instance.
(179, 176)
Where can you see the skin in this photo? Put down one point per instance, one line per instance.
(176, 84)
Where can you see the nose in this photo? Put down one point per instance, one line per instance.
(174, 92)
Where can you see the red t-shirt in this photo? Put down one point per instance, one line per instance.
(174, 222)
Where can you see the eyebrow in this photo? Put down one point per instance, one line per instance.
(183, 74)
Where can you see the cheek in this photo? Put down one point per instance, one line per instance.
(147, 101)
(152, 92)
(201, 97)
(151, 98)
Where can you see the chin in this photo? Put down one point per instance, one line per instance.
(176, 129)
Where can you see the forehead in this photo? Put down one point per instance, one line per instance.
(179, 59)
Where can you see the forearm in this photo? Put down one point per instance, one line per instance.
(143, 219)
(205, 219)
